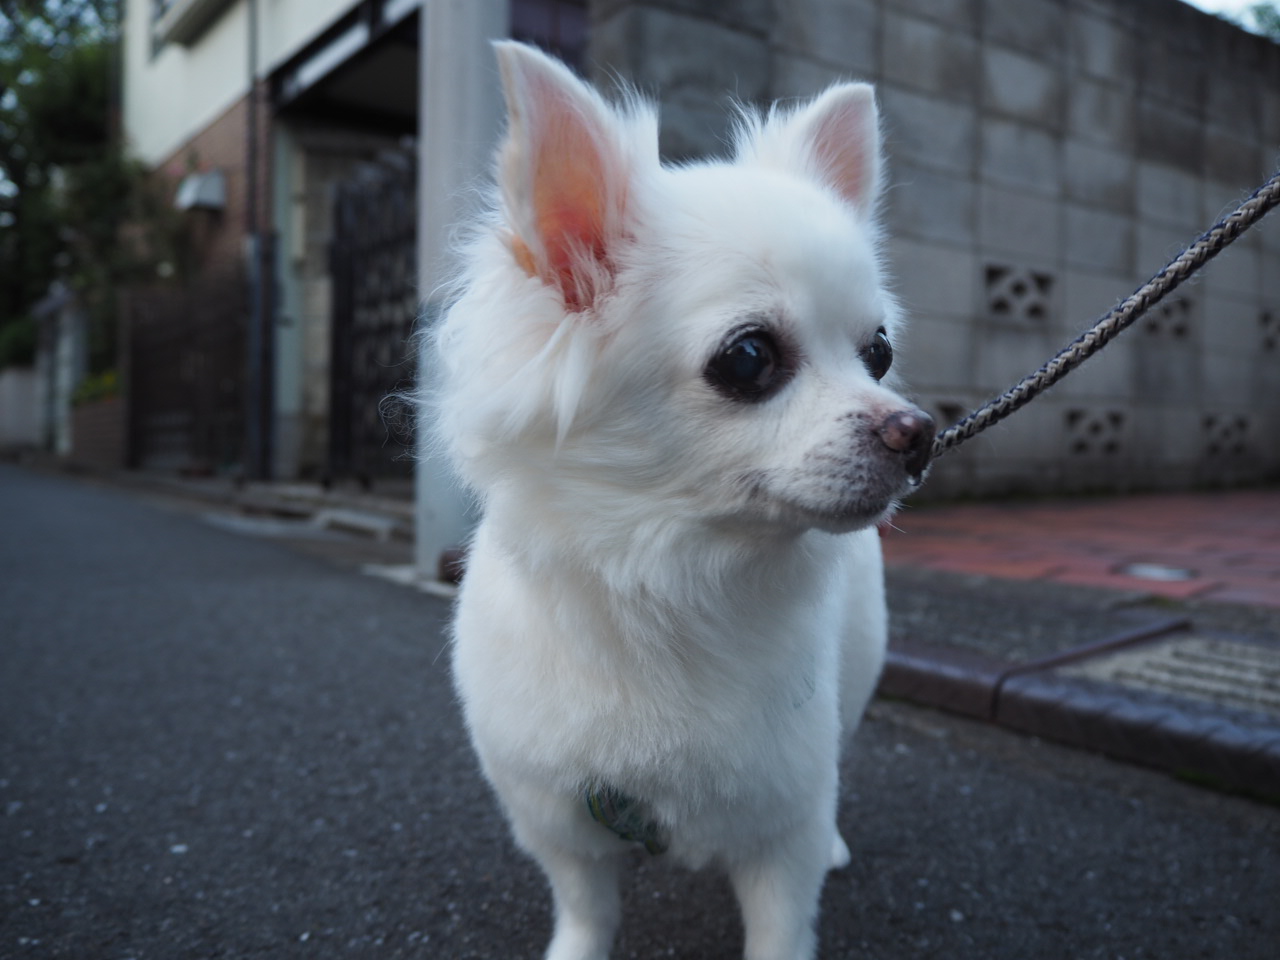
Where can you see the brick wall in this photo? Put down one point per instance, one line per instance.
(1046, 157)
(222, 145)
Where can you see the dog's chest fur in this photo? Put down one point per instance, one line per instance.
(703, 698)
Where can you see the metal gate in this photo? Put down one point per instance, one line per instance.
(375, 304)
(187, 374)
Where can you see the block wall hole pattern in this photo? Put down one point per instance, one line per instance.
(1269, 332)
(1093, 433)
(1169, 320)
(1227, 435)
(1018, 293)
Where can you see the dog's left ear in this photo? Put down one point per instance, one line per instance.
(839, 133)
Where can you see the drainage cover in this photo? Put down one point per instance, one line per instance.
(1226, 672)
(1156, 571)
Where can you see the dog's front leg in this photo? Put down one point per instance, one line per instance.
(587, 903)
(779, 895)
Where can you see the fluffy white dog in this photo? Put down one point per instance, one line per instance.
(666, 385)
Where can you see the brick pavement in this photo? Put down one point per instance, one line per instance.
(1226, 544)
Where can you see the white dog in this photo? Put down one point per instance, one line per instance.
(665, 385)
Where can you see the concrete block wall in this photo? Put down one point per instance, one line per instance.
(1046, 158)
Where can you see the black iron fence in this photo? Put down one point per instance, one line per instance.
(186, 379)
(375, 305)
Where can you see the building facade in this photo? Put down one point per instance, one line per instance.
(1045, 158)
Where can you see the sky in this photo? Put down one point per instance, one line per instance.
(1231, 8)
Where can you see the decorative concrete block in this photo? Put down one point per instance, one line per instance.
(1018, 295)
(1220, 199)
(1106, 377)
(691, 128)
(1172, 77)
(1156, 246)
(1102, 113)
(1021, 87)
(936, 353)
(691, 64)
(1098, 240)
(1098, 176)
(1269, 128)
(1227, 381)
(1234, 103)
(1228, 435)
(1269, 264)
(1035, 435)
(1269, 333)
(1173, 432)
(1166, 352)
(1237, 159)
(934, 280)
(1019, 224)
(928, 131)
(1170, 136)
(1036, 26)
(801, 77)
(1004, 354)
(929, 57)
(1235, 272)
(960, 13)
(1087, 295)
(1100, 47)
(1170, 196)
(842, 34)
(1021, 156)
(1265, 374)
(930, 205)
(1097, 430)
(753, 15)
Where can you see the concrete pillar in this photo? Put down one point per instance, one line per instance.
(459, 121)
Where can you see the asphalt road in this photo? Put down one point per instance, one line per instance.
(221, 745)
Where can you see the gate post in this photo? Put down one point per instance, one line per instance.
(458, 123)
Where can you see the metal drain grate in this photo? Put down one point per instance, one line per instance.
(1231, 673)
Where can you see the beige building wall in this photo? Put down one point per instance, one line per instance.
(176, 90)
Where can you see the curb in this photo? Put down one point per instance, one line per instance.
(378, 517)
(1232, 749)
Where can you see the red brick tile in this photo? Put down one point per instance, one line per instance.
(1252, 596)
(1181, 590)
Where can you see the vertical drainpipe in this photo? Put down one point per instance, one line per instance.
(459, 116)
(257, 466)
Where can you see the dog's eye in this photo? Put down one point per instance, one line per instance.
(749, 368)
(878, 355)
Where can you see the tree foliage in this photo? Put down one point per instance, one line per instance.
(1266, 19)
(66, 185)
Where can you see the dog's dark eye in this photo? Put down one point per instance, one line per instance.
(749, 368)
(878, 355)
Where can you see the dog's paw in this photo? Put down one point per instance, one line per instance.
(839, 853)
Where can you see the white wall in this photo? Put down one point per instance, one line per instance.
(173, 94)
(19, 417)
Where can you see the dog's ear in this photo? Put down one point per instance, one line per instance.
(563, 173)
(839, 133)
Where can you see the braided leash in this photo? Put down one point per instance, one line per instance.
(1210, 243)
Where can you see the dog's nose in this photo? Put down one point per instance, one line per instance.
(910, 433)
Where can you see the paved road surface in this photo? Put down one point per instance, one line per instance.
(217, 745)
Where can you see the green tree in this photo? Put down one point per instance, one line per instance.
(1266, 19)
(66, 186)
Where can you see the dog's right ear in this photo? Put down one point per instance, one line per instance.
(563, 173)
(834, 139)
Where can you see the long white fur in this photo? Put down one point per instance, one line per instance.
(657, 598)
